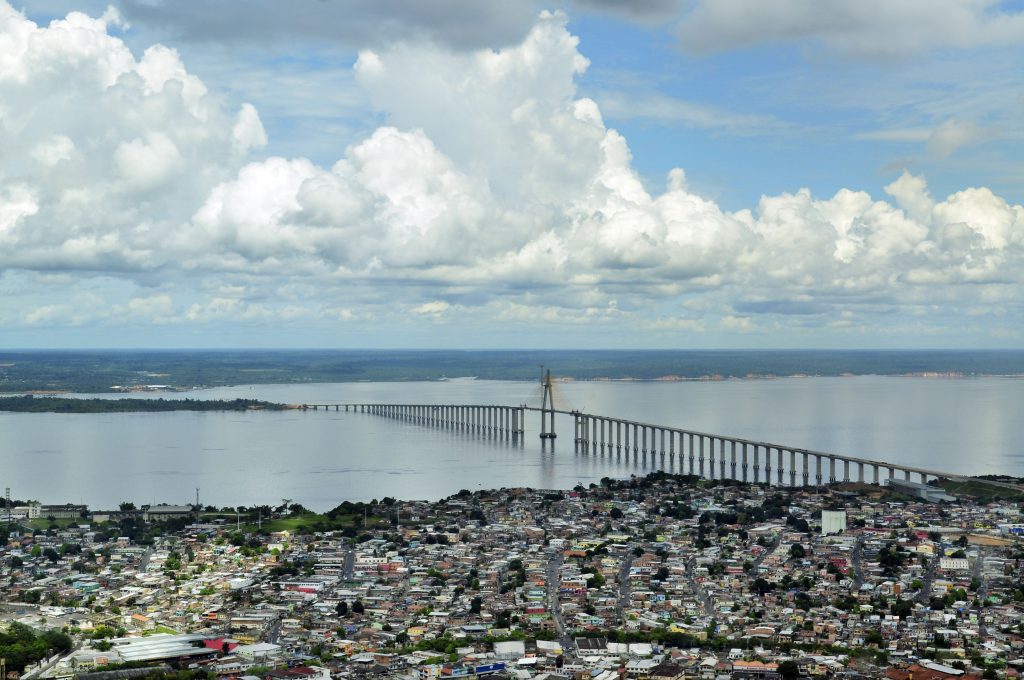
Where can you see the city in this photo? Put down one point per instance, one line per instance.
(662, 576)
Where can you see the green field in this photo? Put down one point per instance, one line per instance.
(307, 522)
(982, 490)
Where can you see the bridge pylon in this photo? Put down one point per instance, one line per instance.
(547, 410)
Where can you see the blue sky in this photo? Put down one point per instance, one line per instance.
(584, 173)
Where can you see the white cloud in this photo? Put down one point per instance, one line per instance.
(866, 28)
(435, 308)
(952, 135)
(112, 151)
(494, 187)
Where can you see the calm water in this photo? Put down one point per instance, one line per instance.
(317, 458)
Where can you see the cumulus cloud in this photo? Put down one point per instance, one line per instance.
(106, 152)
(494, 188)
(866, 28)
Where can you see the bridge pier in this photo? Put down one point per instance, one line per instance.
(768, 465)
(690, 452)
(744, 462)
(721, 458)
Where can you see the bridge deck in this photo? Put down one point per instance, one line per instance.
(738, 440)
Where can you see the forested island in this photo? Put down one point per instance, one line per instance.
(33, 404)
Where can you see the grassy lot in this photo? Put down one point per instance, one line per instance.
(982, 490)
(308, 521)
(44, 524)
(158, 630)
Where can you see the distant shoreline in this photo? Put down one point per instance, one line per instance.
(131, 395)
(107, 372)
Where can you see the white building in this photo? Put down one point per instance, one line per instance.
(833, 522)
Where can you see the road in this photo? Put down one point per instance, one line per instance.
(977, 572)
(924, 595)
(856, 557)
(274, 631)
(753, 573)
(623, 603)
(553, 579)
(699, 592)
(348, 571)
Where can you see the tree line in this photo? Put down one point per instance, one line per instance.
(32, 404)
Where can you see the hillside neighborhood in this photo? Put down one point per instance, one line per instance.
(662, 577)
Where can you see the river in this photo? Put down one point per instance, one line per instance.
(966, 425)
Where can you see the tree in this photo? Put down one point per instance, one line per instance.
(342, 609)
(357, 607)
(126, 506)
(797, 551)
(474, 605)
(51, 554)
(788, 669)
(902, 608)
(615, 513)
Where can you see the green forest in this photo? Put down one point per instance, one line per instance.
(33, 404)
(22, 645)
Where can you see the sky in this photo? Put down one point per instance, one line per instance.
(466, 174)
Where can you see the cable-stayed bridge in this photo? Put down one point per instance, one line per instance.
(713, 456)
